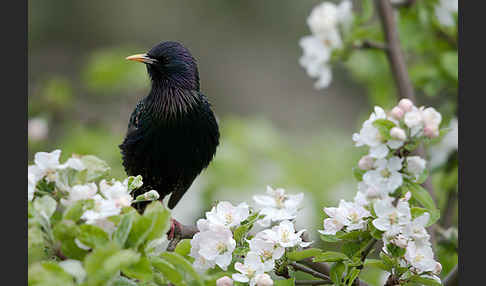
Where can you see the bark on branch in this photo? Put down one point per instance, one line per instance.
(394, 51)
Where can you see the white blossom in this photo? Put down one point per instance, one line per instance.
(391, 219)
(370, 136)
(37, 129)
(103, 209)
(200, 263)
(441, 151)
(80, 192)
(224, 281)
(386, 176)
(366, 162)
(228, 215)
(277, 205)
(74, 268)
(250, 269)
(405, 104)
(421, 257)
(217, 245)
(415, 165)
(398, 133)
(416, 231)
(263, 279)
(284, 235)
(116, 192)
(315, 60)
(347, 214)
(445, 10)
(31, 183)
(268, 250)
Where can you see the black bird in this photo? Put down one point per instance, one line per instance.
(172, 133)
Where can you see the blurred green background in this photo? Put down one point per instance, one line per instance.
(276, 129)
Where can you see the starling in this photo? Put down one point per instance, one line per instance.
(172, 133)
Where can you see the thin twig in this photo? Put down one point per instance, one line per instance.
(452, 279)
(367, 44)
(394, 51)
(313, 282)
(308, 270)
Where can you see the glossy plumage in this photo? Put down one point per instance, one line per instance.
(172, 133)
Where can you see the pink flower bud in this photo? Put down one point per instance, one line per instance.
(438, 268)
(224, 281)
(366, 162)
(431, 131)
(405, 104)
(263, 280)
(397, 113)
(398, 133)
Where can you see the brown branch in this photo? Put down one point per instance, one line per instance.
(394, 51)
(452, 279)
(407, 4)
(308, 270)
(313, 282)
(370, 45)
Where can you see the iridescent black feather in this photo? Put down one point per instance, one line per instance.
(172, 133)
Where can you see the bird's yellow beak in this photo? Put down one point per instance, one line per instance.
(143, 58)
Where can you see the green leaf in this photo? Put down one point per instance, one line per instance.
(329, 238)
(356, 235)
(240, 233)
(330, 256)
(423, 177)
(387, 260)
(36, 245)
(336, 272)
(142, 270)
(424, 280)
(449, 62)
(65, 232)
(103, 263)
(96, 168)
(92, 236)
(48, 273)
(45, 206)
(183, 247)
(176, 259)
(358, 174)
(134, 182)
(423, 197)
(122, 231)
(285, 282)
(76, 210)
(160, 218)
(303, 254)
(123, 281)
(394, 250)
(417, 211)
(167, 270)
(384, 126)
(141, 228)
(378, 263)
(353, 274)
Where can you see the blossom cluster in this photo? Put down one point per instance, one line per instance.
(215, 243)
(386, 175)
(326, 23)
(445, 11)
(109, 197)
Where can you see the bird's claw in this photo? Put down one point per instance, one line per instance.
(175, 227)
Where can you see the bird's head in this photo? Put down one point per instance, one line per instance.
(170, 64)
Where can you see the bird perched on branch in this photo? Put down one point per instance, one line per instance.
(172, 133)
